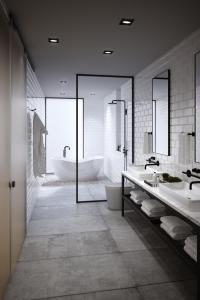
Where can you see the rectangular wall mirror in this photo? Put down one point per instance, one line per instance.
(197, 107)
(161, 113)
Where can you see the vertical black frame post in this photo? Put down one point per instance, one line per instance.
(122, 195)
(77, 138)
(133, 123)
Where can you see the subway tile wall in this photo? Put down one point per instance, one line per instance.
(180, 61)
(35, 99)
(114, 160)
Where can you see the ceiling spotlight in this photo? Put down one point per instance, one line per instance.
(108, 52)
(53, 40)
(63, 82)
(125, 21)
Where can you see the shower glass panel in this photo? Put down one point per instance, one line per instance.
(61, 127)
(105, 133)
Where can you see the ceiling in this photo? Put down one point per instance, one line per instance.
(87, 27)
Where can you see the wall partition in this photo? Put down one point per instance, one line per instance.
(105, 133)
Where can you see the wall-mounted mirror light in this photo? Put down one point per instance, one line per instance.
(161, 113)
(197, 107)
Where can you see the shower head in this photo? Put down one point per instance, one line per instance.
(112, 102)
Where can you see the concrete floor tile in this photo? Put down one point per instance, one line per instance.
(76, 275)
(123, 294)
(79, 223)
(128, 240)
(185, 290)
(55, 212)
(68, 245)
(156, 266)
(116, 221)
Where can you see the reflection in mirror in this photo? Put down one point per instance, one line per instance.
(197, 106)
(161, 111)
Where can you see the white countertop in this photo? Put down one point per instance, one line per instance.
(155, 191)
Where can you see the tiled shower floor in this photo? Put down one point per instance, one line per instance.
(86, 252)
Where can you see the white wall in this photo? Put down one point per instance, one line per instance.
(180, 60)
(35, 99)
(94, 126)
(114, 160)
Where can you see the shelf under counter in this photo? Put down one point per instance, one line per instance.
(192, 218)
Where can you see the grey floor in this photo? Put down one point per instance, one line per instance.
(88, 190)
(86, 252)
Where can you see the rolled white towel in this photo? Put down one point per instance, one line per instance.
(137, 201)
(153, 205)
(191, 241)
(174, 235)
(176, 225)
(150, 214)
(138, 194)
(190, 252)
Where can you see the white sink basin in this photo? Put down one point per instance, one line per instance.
(140, 173)
(180, 193)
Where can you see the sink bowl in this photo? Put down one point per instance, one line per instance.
(180, 193)
(140, 173)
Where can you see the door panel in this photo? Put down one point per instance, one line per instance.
(4, 157)
(18, 146)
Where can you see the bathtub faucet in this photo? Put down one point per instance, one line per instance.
(64, 150)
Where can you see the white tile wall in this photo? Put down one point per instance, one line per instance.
(94, 126)
(180, 60)
(114, 160)
(35, 99)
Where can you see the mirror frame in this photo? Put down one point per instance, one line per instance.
(169, 102)
(195, 106)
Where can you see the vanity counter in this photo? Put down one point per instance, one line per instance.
(192, 216)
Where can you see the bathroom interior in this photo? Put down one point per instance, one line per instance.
(100, 188)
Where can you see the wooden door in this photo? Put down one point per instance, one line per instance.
(4, 156)
(18, 146)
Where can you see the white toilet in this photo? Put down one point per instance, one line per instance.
(114, 194)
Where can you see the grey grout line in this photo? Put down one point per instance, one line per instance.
(136, 287)
(87, 293)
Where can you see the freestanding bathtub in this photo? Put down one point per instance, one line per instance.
(88, 168)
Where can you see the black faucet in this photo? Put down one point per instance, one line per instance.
(64, 150)
(152, 162)
(190, 174)
(193, 182)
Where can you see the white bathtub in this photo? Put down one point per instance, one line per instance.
(88, 168)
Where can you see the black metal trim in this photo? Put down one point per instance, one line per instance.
(195, 105)
(103, 76)
(169, 109)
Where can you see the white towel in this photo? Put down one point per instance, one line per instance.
(174, 235)
(137, 201)
(138, 194)
(153, 206)
(184, 148)
(157, 214)
(190, 252)
(38, 146)
(176, 225)
(191, 241)
(147, 146)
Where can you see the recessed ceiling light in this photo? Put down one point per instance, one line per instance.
(53, 40)
(126, 21)
(63, 82)
(108, 52)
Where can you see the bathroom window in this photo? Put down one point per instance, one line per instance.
(61, 127)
